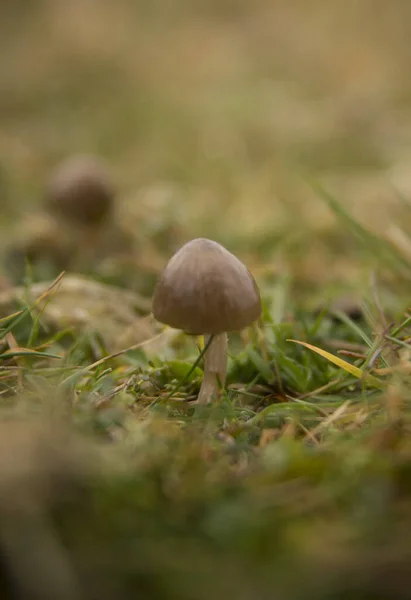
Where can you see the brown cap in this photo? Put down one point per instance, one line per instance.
(206, 289)
(81, 190)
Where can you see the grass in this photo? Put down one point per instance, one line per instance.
(123, 484)
(230, 122)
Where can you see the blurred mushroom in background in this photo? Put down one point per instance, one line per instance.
(81, 195)
(348, 304)
(77, 229)
(81, 191)
(40, 249)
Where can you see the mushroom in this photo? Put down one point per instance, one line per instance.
(40, 244)
(81, 191)
(206, 290)
(81, 194)
(348, 304)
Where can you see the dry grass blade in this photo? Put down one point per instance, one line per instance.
(348, 367)
(337, 414)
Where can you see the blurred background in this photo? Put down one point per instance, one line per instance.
(214, 117)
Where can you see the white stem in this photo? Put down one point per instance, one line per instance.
(215, 368)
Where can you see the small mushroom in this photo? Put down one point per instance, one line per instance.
(81, 191)
(40, 244)
(348, 304)
(206, 290)
(81, 196)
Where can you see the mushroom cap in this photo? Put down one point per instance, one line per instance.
(81, 190)
(204, 289)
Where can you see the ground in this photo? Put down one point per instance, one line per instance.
(283, 131)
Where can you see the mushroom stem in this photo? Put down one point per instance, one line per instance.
(89, 241)
(215, 368)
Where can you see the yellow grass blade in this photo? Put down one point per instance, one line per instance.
(339, 362)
